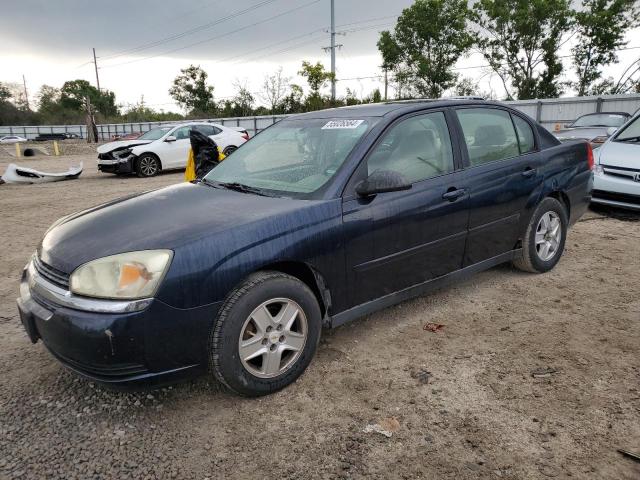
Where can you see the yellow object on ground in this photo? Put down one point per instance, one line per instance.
(190, 172)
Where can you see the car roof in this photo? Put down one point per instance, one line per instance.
(626, 114)
(387, 108)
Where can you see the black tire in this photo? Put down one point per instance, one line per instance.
(147, 165)
(229, 150)
(532, 258)
(224, 343)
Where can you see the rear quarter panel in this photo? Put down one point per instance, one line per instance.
(566, 173)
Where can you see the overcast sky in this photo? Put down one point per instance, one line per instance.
(141, 45)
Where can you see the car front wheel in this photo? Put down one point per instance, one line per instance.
(265, 334)
(544, 238)
(147, 165)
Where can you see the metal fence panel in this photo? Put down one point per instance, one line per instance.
(549, 112)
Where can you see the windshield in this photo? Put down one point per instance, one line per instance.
(155, 134)
(600, 120)
(293, 156)
(631, 132)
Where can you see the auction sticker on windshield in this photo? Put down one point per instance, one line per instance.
(335, 124)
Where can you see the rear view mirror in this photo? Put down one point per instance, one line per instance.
(170, 138)
(611, 131)
(382, 181)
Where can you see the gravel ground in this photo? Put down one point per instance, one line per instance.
(532, 377)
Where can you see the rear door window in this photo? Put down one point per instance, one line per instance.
(489, 135)
(207, 130)
(525, 135)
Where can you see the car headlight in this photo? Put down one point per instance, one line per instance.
(131, 275)
(124, 153)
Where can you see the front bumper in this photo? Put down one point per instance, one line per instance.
(123, 346)
(116, 165)
(616, 191)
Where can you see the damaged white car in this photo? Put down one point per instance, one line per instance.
(163, 148)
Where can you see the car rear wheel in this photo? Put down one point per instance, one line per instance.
(265, 335)
(147, 165)
(230, 149)
(544, 238)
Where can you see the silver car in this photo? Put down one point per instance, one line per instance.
(617, 169)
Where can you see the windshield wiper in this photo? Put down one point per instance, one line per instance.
(240, 187)
(629, 139)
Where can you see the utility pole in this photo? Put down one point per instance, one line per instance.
(26, 95)
(386, 84)
(333, 50)
(95, 63)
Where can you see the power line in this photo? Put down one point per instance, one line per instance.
(188, 32)
(215, 37)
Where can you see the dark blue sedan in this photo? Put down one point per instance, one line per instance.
(318, 220)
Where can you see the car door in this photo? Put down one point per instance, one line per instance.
(502, 176)
(174, 154)
(395, 240)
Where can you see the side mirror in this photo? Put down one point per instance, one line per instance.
(382, 181)
(170, 138)
(567, 125)
(611, 131)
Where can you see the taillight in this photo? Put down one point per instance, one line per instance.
(245, 136)
(590, 159)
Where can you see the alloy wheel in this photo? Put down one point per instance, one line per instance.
(548, 236)
(148, 166)
(273, 338)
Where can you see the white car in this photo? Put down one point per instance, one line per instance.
(163, 148)
(12, 139)
(617, 170)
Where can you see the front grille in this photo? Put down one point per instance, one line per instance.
(627, 169)
(616, 197)
(51, 274)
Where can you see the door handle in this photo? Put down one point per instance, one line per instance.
(453, 195)
(529, 172)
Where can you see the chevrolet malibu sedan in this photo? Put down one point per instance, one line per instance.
(318, 220)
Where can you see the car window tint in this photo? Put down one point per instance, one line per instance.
(525, 135)
(417, 148)
(488, 134)
(182, 133)
(216, 131)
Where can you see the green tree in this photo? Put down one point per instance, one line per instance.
(317, 77)
(74, 92)
(429, 38)
(191, 92)
(600, 26)
(5, 93)
(520, 39)
(292, 103)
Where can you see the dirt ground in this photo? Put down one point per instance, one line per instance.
(463, 402)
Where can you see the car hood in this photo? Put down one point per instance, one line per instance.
(580, 133)
(619, 154)
(111, 146)
(161, 219)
